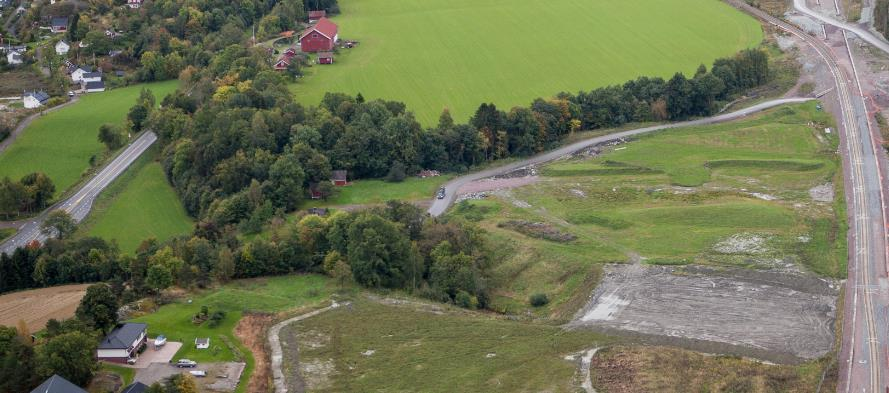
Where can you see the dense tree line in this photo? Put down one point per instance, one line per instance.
(32, 193)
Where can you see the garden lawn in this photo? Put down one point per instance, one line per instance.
(61, 143)
(138, 205)
(670, 198)
(457, 54)
(361, 192)
(272, 294)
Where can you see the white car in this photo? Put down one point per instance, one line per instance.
(160, 340)
(198, 373)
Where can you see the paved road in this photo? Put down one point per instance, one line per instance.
(864, 34)
(81, 202)
(439, 206)
(863, 356)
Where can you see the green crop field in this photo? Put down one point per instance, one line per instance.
(671, 198)
(263, 294)
(456, 54)
(137, 206)
(61, 143)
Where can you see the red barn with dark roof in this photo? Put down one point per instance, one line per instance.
(319, 38)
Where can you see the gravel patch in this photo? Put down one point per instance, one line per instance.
(822, 193)
(742, 243)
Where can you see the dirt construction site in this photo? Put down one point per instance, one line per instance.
(781, 317)
(37, 306)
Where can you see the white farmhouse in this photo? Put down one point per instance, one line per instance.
(62, 48)
(77, 75)
(34, 99)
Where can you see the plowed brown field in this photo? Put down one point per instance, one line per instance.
(37, 306)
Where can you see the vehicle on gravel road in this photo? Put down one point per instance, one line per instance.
(185, 363)
(441, 193)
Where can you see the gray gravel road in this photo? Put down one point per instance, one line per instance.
(439, 206)
(81, 202)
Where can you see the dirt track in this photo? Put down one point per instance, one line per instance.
(251, 331)
(733, 308)
(37, 306)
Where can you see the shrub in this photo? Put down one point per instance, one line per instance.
(216, 319)
(396, 173)
(538, 300)
(465, 300)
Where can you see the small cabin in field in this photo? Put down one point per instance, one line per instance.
(282, 63)
(202, 343)
(339, 178)
(321, 37)
(325, 58)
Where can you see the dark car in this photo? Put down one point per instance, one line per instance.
(441, 193)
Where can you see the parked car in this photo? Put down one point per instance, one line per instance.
(185, 363)
(70, 93)
(198, 373)
(159, 341)
(441, 193)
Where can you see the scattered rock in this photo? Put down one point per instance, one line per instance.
(765, 197)
(742, 243)
(368, 352)
(822, 193)
(577, 192)
(490, 355)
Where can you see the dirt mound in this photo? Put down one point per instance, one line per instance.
(539, 230)
(251, 330)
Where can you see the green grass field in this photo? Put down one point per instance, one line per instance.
(362, 192)
(418, 350)
(456, 54)
(138, 205)
(669, 198)
(61, 143)
(264, 295)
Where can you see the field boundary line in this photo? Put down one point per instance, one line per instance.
(278, 352)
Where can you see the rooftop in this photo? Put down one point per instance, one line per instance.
(123, 335)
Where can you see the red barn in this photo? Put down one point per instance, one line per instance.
(282, 63)
(314, 16)
(319, 38)
(325, 58)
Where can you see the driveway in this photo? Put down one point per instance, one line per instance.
(162, 355)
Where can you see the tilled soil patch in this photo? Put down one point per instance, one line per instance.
(251, 330)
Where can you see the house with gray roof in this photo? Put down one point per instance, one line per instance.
(123, 343)
(57, 384)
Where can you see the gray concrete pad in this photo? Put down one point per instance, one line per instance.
(763, 311)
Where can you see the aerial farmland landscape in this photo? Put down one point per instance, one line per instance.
(444, 196)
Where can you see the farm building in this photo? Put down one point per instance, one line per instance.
(57, 384)
(94, 87)
(134, 3)
(314, 16)
(319, 38)
(339, 178)
(136, 387)
(59, 24)
(325, 58)
(62, 48)
(123, 342)
(290, 52)
(14, 57)
(202, 343)
(282, 63)
(34, 99)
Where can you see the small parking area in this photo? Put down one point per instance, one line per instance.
(162, 355)
(221, 377)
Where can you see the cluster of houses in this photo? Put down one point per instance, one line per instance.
(320, 37)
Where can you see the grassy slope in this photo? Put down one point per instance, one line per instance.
(61, 143)
(266, 295)
(378, 191)
(138, 205)
(433, 54)
(421, 351)
(631, 207)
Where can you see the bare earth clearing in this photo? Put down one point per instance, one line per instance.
(37, 306)
(765, 315)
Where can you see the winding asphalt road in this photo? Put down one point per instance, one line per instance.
(439, 206)
(79, 205)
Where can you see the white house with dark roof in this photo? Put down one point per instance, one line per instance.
(14, 58)
(62, 48)
(88, 77)
(94, 87)
(34, 99)
(77, 74)
(123, 342)
(57, 384)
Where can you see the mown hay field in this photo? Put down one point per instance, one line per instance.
(456, 54)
